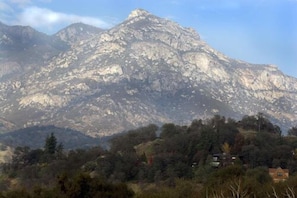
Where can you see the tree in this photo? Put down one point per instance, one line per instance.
(19, 158)
(238, 143)
(208, 140)
(293, 131)
(127, 141)
(50, 146)
(195, 126)
(249, 123)
(169, 130)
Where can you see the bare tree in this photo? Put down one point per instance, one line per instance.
(289, 192)
(236, 189)
(216, 195)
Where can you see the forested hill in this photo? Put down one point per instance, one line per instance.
(35, 136)
(170, 161)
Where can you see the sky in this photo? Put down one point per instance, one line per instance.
(256, 31)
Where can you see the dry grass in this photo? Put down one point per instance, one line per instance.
(247, 133)
(6, 153)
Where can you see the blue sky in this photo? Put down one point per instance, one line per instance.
(256, 31)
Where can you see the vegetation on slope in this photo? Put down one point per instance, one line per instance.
(170, 161)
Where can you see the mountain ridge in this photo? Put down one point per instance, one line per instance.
(76, 32)
(144, 70)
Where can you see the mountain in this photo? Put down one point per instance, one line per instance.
(77, 32)
(144, 70)
(23, 49)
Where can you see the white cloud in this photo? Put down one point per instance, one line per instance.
(42, 18)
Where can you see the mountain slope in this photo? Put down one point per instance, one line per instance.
(144, 70)
(23, 49)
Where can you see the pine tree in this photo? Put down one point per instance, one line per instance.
(50, 146)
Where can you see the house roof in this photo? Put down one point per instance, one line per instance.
(275, 170)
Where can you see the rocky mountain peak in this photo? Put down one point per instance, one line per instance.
(144, 26)
(145, 70)
(138, 13)
(20, 35)
(77, 32)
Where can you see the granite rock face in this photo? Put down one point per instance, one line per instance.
(144, 70)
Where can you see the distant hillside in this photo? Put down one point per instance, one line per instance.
(34, 137)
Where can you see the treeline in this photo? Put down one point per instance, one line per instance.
(53, 172)
(167, 161)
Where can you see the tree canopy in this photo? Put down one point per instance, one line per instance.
(176, 162)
